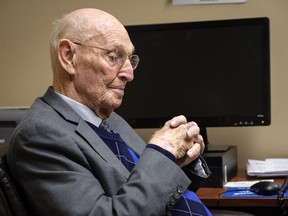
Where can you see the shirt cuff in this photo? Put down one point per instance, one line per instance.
(163, 151)
(198, 167)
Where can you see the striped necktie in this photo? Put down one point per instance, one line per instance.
(118, 146)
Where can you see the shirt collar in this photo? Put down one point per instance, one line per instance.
(85, 112)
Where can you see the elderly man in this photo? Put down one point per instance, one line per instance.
(68, 161)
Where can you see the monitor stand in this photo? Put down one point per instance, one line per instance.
(216, 148)
(209, 147)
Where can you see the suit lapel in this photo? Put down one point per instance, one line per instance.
(84, 130)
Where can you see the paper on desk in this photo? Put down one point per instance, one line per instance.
(268, 167)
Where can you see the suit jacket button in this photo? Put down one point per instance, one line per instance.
(180, 189)
(172, 202)
(176, 196)
(169, 207)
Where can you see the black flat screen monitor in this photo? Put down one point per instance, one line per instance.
(9, 119)
(216, 73)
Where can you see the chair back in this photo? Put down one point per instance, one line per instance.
(10, 202)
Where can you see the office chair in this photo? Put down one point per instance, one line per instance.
(10, 202)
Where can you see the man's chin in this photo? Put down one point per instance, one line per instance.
(117, 102)
(118, 105)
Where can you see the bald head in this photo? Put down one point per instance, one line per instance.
(82, 24)
(93, 19)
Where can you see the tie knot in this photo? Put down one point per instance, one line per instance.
(105, 126)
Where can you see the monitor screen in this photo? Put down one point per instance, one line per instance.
(216, 73)
(9, 119)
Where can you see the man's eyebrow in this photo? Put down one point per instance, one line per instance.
(132, 50)
(121, 47)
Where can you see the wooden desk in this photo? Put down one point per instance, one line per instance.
(212, 197)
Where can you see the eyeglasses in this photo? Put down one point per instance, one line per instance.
(116, 57)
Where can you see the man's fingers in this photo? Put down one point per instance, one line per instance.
(194, 151)
(178, 120)
(192, 130)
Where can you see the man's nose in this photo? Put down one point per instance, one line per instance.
(127, 71)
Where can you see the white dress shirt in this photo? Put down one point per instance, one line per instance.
(85, 112)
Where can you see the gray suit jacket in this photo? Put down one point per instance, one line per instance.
(63, 168)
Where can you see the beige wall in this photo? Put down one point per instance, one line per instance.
(25, 68)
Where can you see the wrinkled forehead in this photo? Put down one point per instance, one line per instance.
(97, 26)
(107, 31)
(114, 37)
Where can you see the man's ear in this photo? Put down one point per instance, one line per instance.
(66, 53)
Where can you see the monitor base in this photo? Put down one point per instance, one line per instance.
(216, 148)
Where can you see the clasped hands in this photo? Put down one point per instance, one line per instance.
(181, 138)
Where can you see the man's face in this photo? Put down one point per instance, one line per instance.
(100, 80)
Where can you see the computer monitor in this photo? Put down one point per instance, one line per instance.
(216, 73)
(9, 119)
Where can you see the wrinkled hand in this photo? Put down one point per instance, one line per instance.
(180, 138)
